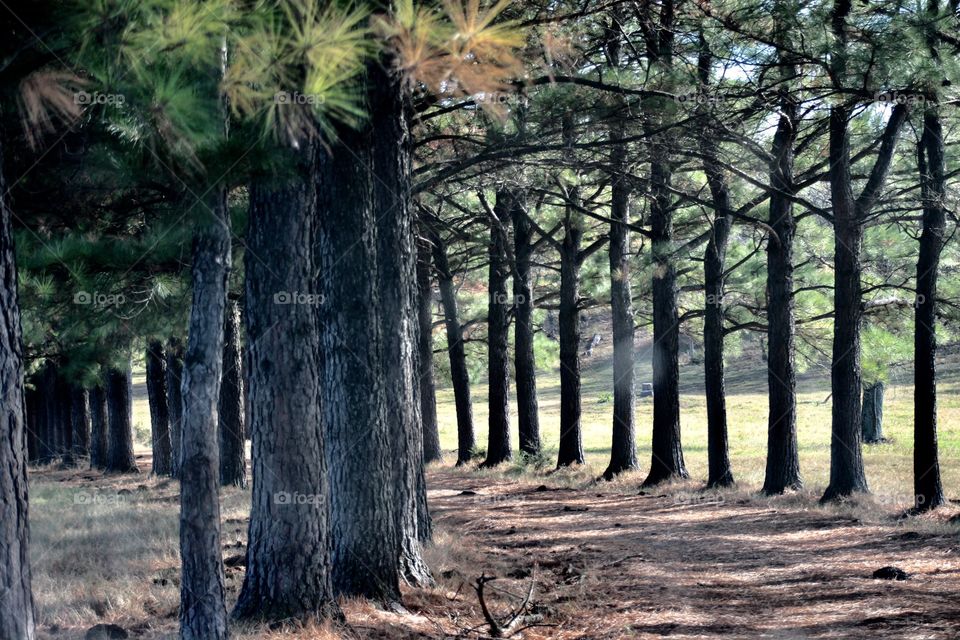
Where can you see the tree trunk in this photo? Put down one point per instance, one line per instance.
(872, 415)
(233, 463)
(846, 456)
(98, 427)
(498, 329)
(120, 457)
(524, 359)
(16, 598)
(428, 393)
(64, 420)
(47, 384)
(718, 455)
(927, 488)
(80, 422)
(363, 511)
(288, 557)
(174, 371)
(460, 376)
(159, 411)
(623, 449)
(399, 304)
(783, 460)
(203, 613)
(667, 455)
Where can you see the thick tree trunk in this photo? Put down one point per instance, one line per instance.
(667, 455)
(524, 359)
(365, 532)
(98, 427)
(288, 557)
(846, 456)
(16, 598)
(428, 392)
(623, 449)
(174, 371)
(159, 411)
(232, 431)
(498, 329)
(927, 488)
(80, 422)
(459, 374)
(783, 460)
(203, 613)
(120, 457)
(399, 304)
(872, 414)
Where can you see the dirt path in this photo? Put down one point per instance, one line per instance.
(610, 565)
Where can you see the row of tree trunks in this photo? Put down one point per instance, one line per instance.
(459, 374)
(16, 598)
(231, 427)
(174, 374)
(98, 427)
(119, 391)
(498, 333)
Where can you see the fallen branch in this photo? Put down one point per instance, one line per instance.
(516, 621)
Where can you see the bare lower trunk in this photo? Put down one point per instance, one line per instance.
(288, 556)
(428, 393)
(174, 371)
(498, 328)
(16, 598)
(524, 359)
(159, 411)
(120, 457)
(203, 613)
(927, 487)
(98, 427)
(231, 428)
(80, 422)
(460, 376)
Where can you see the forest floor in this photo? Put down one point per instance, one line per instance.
(605, 561)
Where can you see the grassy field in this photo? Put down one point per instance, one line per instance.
(105, 548)
(889, 465)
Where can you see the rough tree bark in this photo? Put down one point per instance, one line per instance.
(16, 598)
(718, 454)
(428, 393)
(783, 460)
(159, 411)
(288, 557)
(120, 459)
(667, 455)
(399, 303)
(203, 613)
(98, 427)
(174, 370)
(872, 414)
(846, 452)
(459, 374)
(366, 539)
(524, 359)
(927, 487)
(231, 428)
(498, 329)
